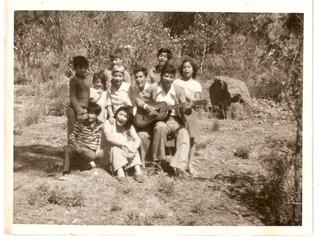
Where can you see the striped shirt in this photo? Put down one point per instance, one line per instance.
(86, 135)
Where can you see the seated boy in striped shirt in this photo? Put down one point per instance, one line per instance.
(84, 140)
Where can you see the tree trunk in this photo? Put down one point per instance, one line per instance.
(203, 56)
(297, 214)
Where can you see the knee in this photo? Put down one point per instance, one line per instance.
(160, 126)
(143, 135)
(184, 132)
(67, 148)
(184, 135)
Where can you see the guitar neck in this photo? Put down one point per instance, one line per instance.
(167, 108)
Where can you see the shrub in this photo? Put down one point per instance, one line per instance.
(266, 87)
(58, 107)
(199, 208)
(61, 196)
(200, 146)
(59, 95)
(242, 152)
(135, 219)
(215, 126)
(53, 168)
(35, 112)
(271, 196)
(236, 111)
(166, 186)
(56, 195)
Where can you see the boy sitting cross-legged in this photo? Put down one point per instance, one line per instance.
(84, 140)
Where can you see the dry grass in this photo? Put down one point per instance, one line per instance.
(237, 111)
(96, 198)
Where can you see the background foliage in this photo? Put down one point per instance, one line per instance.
(263, 50)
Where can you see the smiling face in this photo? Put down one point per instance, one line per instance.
(121, 118)
(163, 58)
(97, 84)
(167, 79)
(140, 80)
(117, 79)
(81, 71)
(92, 117)
(187, 70)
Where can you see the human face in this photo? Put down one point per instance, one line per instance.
(122, 118)
(187, 70)
(117, 61)
(92, 117)
(140, 80)
(117, 79)
(81, 71)
(163, 58)
(98, 84)
(167, 79)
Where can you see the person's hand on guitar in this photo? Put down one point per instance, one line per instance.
(187, 108)
(151, 111)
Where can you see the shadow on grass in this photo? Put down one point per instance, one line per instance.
(37, 157)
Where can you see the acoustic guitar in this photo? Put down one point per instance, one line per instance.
(142, 119)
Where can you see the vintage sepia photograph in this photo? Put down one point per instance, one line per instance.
(159, 120)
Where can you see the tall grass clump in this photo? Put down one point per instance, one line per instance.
(58, 195)
(242, 152)
(34, 114)
(236, 111)
(59, 99)
(270, 196)
(215, 126)
(38, 107)
(165, 185)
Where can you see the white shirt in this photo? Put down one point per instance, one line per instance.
(136, 93)
(94, 94)
(120, 97)
(169, 97)
(190, 87)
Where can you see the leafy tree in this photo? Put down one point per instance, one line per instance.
(284, 36)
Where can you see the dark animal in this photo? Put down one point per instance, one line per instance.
(220, 98)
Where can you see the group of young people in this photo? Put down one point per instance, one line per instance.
(101, 130)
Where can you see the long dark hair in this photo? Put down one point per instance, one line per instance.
(193, 64)
(128, 110)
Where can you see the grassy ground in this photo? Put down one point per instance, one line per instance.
(96, 198)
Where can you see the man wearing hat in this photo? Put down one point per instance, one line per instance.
(116, 59)
(119, 92)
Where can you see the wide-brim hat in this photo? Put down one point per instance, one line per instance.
(118, 68)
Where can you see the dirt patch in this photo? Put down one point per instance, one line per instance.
(96, 198)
